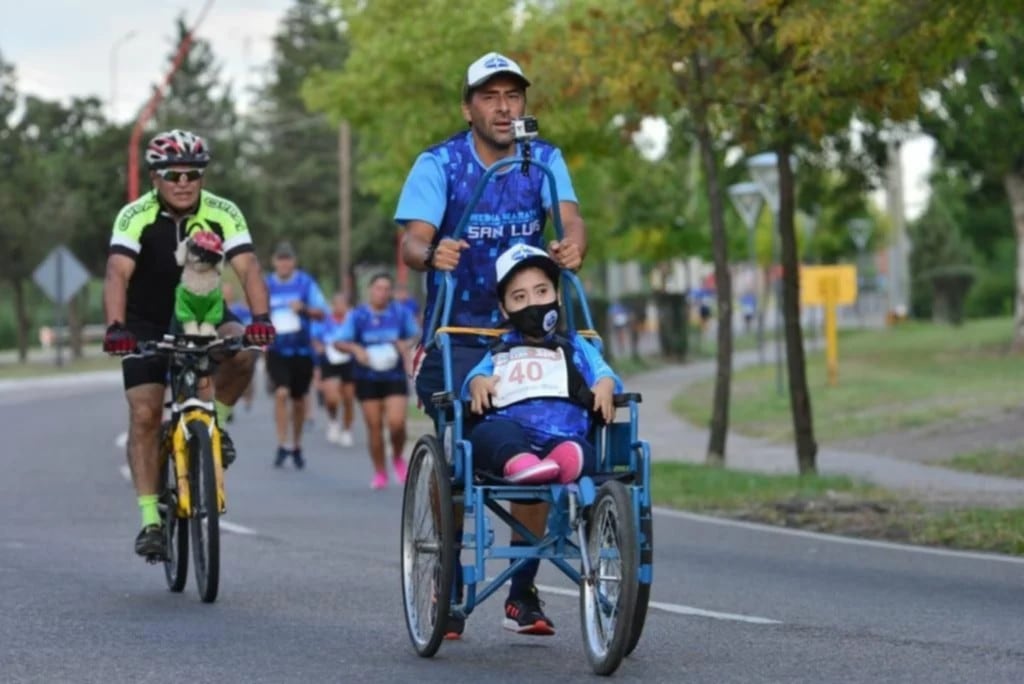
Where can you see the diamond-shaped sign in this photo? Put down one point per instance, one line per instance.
(747, 200)
(60, 275)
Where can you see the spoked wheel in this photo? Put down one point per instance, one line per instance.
(205, 521)
(428, 546)
(643, 593)
(175, 530)
(608, 595)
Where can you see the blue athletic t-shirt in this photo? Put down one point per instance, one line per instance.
(293, 336)
(512, 209)
(544, 419)
(368, 327)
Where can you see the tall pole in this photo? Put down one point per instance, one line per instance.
(899, 296)
(154, 101)
(112, 106)
(345, 210)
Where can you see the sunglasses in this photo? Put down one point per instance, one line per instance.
(173, 176)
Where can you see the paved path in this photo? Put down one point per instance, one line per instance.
(672, 438)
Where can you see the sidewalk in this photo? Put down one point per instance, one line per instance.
(674, 439)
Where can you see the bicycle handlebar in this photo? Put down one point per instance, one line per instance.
(196, 345)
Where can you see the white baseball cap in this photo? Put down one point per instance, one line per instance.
(489, 66)
(518, 257)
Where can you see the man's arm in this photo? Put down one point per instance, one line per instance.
(247, 266)
(572, 224)
(416, 241)
(115, 286)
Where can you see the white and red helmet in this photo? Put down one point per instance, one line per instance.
(177, 148)
(206, 245)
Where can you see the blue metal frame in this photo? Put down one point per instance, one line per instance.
(613, 442)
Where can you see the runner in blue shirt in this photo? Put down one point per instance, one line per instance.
(378, 334)
(295, 301)
(337, 382)
(513, 209)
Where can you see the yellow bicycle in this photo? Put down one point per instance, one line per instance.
(191, 464)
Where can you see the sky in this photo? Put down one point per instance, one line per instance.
(117, 49)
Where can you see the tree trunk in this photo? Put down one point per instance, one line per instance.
(21, 319)
(74, 325)
(799, 397)
(723, 291)
(1014, 182)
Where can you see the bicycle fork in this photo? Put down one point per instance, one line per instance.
(196, 411)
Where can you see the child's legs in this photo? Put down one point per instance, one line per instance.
(495, 442)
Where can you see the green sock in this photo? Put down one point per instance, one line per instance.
(223, 412)
(147, 506)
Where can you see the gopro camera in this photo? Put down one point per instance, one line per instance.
(525, 128)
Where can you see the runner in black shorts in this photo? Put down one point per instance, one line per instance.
(379, 334)
(337, 379)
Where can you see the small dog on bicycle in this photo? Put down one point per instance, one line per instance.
(198, 300)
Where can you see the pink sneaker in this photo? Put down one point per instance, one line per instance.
(528, 469)
(569, 457)
(379, 481)
(400, 470)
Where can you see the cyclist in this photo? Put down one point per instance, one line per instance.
(378, 334)
(138, 298)
(513, 209)
(295, 301)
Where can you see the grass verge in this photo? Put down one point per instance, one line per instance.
(912, 375)
(14, 371)
(835, 505)
(1006, 462)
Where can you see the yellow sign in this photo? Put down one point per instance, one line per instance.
(817, 281)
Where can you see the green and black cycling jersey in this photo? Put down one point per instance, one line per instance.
(146, 232)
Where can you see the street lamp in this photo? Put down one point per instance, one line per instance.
(860, 230)
(748, 202)
(113, 71)
(764, 170)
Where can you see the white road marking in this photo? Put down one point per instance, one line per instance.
(126, 473)
(836, 539)
(677, 608)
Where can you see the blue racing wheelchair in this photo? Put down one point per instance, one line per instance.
(599, 530)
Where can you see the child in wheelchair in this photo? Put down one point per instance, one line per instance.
(537, 391)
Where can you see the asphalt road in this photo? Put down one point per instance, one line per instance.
(310, 588)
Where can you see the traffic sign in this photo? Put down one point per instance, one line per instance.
(60, 275)
(816, 280)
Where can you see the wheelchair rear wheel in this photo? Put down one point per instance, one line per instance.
(608, 594)
(428, 546)
(643, 593)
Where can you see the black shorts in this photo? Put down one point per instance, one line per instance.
(153, 369)
(337, 370)
(367, 390)
(293, 372)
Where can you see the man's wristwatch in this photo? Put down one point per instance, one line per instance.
(428, 256)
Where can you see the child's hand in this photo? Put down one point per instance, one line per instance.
(481, 389)
(603, 391)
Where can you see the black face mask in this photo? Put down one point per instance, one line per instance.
(536, 320)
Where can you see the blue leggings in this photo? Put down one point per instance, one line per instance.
(496, 440)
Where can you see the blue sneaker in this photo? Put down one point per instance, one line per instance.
(282, 454)
(300, 462)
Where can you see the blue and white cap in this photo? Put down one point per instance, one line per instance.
(489, 66)
(518, 257)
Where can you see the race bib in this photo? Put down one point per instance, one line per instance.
(335, 356)
(529, 373)
(285, 321)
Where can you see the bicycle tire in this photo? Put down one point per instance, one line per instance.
(175, 529)
(428, 554)
(205, 519)
(607, 605)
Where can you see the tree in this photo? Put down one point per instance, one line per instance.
(298, 148)
(976, 115)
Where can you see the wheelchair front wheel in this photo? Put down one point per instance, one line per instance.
(608, 594)
(428, 546)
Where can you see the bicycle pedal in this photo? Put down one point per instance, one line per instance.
(155, 558)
